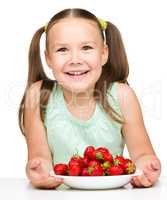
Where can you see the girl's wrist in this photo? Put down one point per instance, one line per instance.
(146, 160)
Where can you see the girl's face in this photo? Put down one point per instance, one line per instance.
(76, 53)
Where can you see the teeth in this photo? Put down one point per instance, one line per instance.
(76, 73)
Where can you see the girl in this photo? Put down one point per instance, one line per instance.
(89, 103)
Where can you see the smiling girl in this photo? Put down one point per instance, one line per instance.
(89, 102)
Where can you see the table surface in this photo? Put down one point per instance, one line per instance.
(22, 189)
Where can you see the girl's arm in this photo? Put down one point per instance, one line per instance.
(39, 156)
(137, 139)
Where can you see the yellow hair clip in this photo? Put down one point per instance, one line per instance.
(103, 24)
(46, 26)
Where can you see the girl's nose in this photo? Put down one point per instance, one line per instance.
(75, 57)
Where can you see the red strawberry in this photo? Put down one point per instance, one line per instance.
(74, 170)
(129, 167)
(85, 172)
(121, 161)
(76, 160)
(102, 149)
(86, 161)
(93, 163)
(108, 157)
(95, 168)
(90, 152)
(115, 170)
(60, 169)
(96, 171)
(103, 156)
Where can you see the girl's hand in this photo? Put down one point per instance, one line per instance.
(38, 172)
(151, 168)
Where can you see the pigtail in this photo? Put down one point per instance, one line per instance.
(35, 73)
(116, 69)
(117, 60)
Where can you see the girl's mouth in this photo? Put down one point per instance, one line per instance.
(77, 75)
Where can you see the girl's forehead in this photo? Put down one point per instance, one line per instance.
(74, 27)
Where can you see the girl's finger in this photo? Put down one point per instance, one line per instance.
(136, 182)
(144, 181)
(155, 165)
(151, 175)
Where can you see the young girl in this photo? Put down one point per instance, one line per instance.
(89, 103)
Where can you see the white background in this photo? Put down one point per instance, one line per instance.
(144, 31)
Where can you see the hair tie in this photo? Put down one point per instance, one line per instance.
(103, 24)
(46, 26)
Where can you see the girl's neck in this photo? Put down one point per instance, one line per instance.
(81, 100)
(81, 105)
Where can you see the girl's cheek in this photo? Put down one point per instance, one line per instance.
(93, 58)
(59, 61)
(94, 63)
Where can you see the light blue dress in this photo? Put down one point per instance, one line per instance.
(68, 135)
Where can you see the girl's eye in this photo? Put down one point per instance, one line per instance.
(63, 49)
(86, 47)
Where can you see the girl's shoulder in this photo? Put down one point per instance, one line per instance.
(128, 100)
(124, 89)
(120, 91)
(125, 92)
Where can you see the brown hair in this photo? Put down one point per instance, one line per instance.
(116, 68)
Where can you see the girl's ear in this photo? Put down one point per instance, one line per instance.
(104, 54)
(47, 58)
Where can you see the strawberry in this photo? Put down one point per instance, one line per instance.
(85, 172)
(121, 161)
(60, 169)
(96, 171)
(76, 160)
(85, 161)
(115, 170)
(108, 157)
(95, 168)
(90, 152)
(74, 170)
(102, 149)
(93, 163)
(102, 155)
(129, 167)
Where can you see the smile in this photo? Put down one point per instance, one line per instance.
(77, 75)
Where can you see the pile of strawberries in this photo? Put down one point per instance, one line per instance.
(95, 162)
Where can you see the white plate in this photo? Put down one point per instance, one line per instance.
(96, 182)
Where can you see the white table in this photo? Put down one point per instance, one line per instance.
(20, 189)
